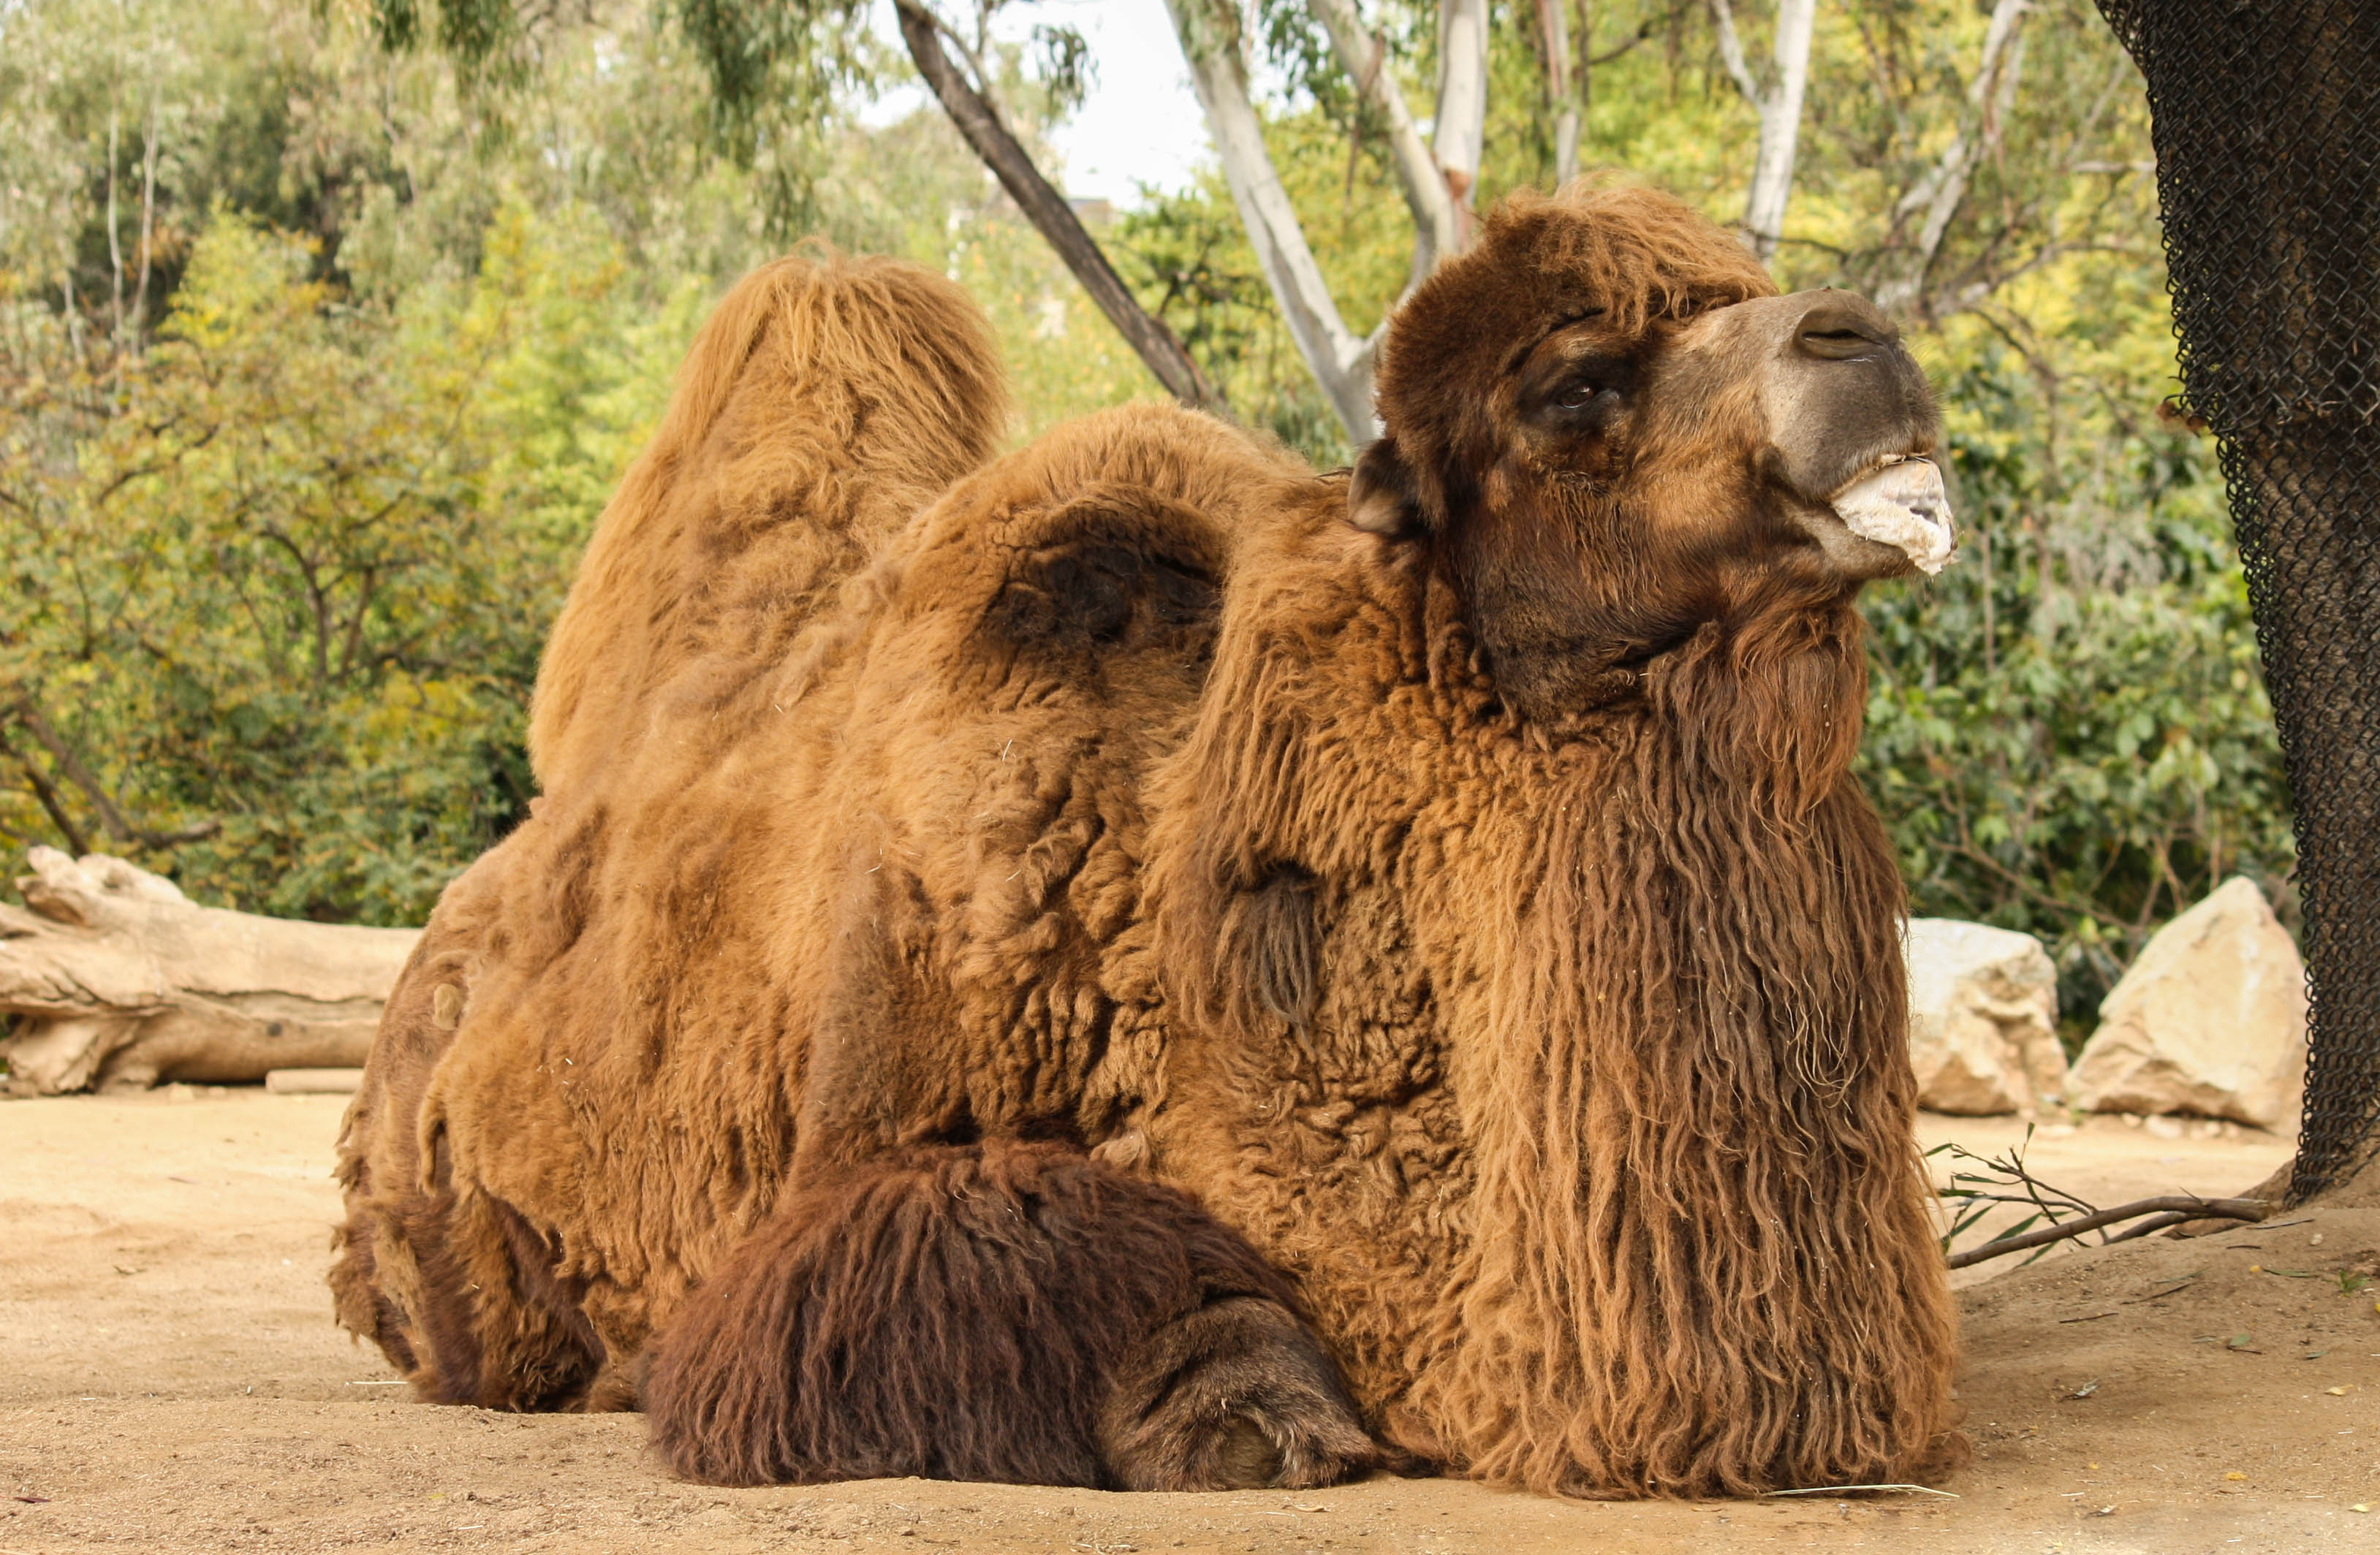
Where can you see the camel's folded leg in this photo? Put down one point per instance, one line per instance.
(460, 1293)
(457, 1287)
(1002, 1312)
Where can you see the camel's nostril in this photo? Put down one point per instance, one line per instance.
(1838, 329)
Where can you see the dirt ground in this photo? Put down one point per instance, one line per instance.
(170, 1380)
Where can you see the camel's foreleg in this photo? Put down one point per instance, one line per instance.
(1004, 1312)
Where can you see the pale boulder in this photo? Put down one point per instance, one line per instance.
(1983, 1018)
(2211, 1019)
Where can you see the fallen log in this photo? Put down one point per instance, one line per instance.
(112, 980)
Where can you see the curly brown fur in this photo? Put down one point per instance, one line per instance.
(1620, 972)
(1004, 1312)
(1449, 874)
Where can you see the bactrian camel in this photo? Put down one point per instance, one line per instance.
(1135, 963)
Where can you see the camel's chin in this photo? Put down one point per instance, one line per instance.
(1853, 557)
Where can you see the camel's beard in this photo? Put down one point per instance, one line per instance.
(1701, 1260)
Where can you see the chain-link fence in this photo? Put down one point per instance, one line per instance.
(2267, 127)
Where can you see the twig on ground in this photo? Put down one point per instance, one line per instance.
(1834, 1489)
(2171, 1210)
(2006, 1180)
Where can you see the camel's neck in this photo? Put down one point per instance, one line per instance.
(1701, 1259)
(1654, 956)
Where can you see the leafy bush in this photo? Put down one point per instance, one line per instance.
(2068, 730)
(280, 582)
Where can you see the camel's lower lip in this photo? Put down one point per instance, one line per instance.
(1899, 502)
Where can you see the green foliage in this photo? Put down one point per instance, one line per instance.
(2068, 731)
(1190, 261)
(281, 532)
(287, 576)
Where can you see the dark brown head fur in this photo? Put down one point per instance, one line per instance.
(1609, 430)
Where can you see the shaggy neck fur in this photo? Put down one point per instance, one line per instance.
(1700, 1260)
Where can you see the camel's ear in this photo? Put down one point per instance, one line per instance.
(1380, 497)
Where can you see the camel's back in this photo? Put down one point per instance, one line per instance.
(825, 403)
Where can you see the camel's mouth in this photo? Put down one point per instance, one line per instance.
(1900, 501)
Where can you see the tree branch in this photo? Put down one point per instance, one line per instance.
(1459, 137)
(2170, 1209)
(1730, 53)
(48, 796)
(30, 717)
(1050, 213)
(1364, 55)
(1944, 189)
(1567, 98)
(1779, 108)
(1209, 31)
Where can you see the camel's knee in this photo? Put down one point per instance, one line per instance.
(461, 1295)
(1004, 1312)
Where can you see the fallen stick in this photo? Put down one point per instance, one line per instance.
(313, 1083)
(2170, 1209)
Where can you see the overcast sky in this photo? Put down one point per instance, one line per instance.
(1140, 124)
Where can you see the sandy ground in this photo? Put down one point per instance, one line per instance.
(170, 1380)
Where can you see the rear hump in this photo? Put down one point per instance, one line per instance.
(824, 403)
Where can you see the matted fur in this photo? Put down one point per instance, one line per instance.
(1482, 922)
(1602, 1132)
(999, 1313)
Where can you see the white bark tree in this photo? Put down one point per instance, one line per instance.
(1778, 103)
(1437, 179)
(1939, 194)
(1459, 136)
(1364, 55)
(1562, 86)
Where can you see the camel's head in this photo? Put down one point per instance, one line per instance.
(1610, 430)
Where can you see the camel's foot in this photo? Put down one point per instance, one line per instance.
(1234, 1397)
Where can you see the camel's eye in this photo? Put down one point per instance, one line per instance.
(1583, 403)
(1575, 393)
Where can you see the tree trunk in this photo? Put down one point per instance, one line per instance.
(1779, 107)
(1459, 135)
(1051, 215)
(1210, 32)
(1363, 54)
(114, 981)
(1944, 189)
(1562, 99)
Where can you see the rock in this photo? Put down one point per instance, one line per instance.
(1983, 1018)
(2211, 1019)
